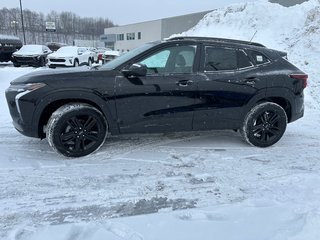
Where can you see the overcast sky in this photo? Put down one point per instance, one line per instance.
(121, 11)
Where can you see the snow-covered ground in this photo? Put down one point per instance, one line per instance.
(200, 185)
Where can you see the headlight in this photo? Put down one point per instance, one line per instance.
(26, 87)
(22, 90)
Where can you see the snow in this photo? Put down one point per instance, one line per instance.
(294, 30)
(29, 50)
(65, 51)
(200, 185)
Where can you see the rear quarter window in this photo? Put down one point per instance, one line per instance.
(259, 58)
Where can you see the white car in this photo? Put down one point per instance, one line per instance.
(70, 56)
(110, 55)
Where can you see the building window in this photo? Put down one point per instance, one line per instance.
(139, 35)
(120, 37)
(131, 36)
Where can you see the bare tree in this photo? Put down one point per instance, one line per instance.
(69, 26)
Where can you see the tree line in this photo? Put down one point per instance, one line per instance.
(69, 26)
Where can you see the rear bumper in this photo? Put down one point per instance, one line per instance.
(297, 108)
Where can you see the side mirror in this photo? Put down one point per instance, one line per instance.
(135, 70)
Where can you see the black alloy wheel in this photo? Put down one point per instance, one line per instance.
(76, 130)
(264, 125)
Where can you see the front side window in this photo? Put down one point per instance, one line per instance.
(177, 59)
(220, 59)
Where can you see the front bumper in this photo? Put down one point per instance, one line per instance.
(34, 61)
(21, 111)
(60, 62)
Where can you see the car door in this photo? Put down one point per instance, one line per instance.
(231, 81)
(163, 99)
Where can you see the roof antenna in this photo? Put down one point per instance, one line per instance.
(253, 35)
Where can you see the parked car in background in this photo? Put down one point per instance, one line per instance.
(181, 84)
(54, 46)
(93, 54)
(109, 55)
(8, 45)
(100, 51)
(32, 55)
(70, 56)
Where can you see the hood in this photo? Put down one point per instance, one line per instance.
(18, 53)
(54, 76)
(60, 55)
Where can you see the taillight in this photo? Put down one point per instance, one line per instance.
(100, 56)
(303, 77)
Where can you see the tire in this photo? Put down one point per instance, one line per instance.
(90, 62)
(42, 62)
(76, 130)
(264, 125)
(16, 65)
(76, 63)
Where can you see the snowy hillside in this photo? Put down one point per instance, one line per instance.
(295, 30)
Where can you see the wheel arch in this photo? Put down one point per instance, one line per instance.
(51, 104)
(281, 96)
(281, 101)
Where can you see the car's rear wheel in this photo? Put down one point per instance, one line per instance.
(76, 130)
(264, 125)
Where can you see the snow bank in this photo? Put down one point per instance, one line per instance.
(295, 30)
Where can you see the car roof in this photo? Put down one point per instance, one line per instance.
(216, 40)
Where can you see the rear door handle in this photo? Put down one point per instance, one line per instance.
(184, 83)
(251, 80)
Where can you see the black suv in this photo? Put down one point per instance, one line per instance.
(181, 84)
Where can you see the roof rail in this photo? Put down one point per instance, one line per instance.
(212, 39)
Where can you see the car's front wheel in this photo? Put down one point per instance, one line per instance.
(264, 125)
(76, 63)
(76, 130)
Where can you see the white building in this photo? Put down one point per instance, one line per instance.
(125, 38)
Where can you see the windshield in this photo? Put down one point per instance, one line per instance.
(127, 56)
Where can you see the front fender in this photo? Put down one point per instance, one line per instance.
(105, 103)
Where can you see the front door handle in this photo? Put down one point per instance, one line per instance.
(184, 83)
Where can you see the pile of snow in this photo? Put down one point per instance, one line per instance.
(295, 30)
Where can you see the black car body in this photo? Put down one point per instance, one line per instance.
(8, 45)
(31, 55)
(180, 84)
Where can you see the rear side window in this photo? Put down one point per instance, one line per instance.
(218, 59)
(259, 58)
(243, 60)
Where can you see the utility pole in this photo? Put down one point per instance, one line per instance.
(24, 34)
